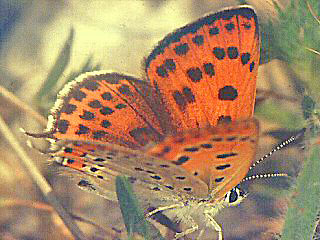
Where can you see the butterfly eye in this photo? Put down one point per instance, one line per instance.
(234, 197)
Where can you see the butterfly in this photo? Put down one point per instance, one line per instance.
(185, 137)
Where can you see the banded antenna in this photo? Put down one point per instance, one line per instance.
(277, 148)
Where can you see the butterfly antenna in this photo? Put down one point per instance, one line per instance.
(279, 147)
(266, 175)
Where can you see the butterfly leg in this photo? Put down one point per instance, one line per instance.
(160, 209)
(200, 234)
(194, 227)
(211, 222)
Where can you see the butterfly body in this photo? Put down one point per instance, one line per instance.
(196, 109)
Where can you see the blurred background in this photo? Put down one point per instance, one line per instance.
(44, 44)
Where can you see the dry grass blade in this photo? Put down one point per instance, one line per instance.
(313, 51)
(40, 181)
(24, 107)
(5, 203)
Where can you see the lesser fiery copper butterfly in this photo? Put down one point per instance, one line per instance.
(196, 108)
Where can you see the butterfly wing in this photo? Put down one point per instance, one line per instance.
(220, 156)
(105, 107)
(206, 71)
(151, 177)
(193, 162)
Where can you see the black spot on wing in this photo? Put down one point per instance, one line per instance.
(68, 150)
(214, 31)
(194, 74)
(106, 96)
(62, 126)
(98, 134)
(181, 49)
(170, 65)
(219, 53)
(229, 26)
(125, 90)
(251, 66)
(223, 167)
(209, 69)
(233, 52)
(206, 145)
(106, 111)
(245, 58)
(105, 123)
(68, 108)
(95, 104)
(188, 94)
(218, 180)
(226, 155)
(224, 119)
(179, 99)
(181, 160)
(87, 115)
(120, 106)
(198, 40)
(191, 149)
(91, 85)
(228, 93)
(162, 71)
(79, 95)
(82, 130)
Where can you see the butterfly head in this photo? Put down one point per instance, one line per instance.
(234, 197)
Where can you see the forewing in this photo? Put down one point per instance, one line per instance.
(206, 71)
(105, 107)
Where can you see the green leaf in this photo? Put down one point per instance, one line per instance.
(132, 215)
(300, 220)
(308, 107)
(58, 68)
(86, 67)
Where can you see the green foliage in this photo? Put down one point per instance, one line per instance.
(132, 214)
(58, 68)
(301, 217)
(86, 67)
(50, 87)
(289, 37)
(311, 114)
(300, 220)
(278, 114)
(308, 106)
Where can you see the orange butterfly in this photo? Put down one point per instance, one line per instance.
(195, 109)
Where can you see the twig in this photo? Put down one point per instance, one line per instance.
(276, 95)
